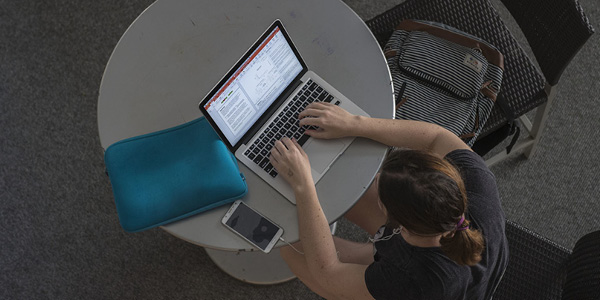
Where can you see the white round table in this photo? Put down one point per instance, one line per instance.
(176, 51)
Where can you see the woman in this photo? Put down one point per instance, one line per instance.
(432, 246)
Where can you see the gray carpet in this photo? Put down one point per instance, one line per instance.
(59, 233)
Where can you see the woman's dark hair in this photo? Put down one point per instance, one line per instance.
(426, 195)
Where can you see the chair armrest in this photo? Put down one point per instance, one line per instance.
(536, 268)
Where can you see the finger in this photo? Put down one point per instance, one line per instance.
(275, 153)
(319, 105)
(314, 108)
(288, 143)
(275, 163)
(299, 147)
(310, 121)
(309, 112)
(279, 146)
(317, 133)
(274, 158)
(294, 143)
(292, 146)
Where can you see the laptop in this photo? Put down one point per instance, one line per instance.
(258, 101)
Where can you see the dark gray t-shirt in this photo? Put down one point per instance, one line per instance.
(403, 271)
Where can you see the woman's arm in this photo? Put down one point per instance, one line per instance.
(335, 122)
(342, 280)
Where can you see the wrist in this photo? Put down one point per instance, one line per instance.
(304, 186)
(357, 126)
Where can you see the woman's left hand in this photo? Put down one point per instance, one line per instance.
(291, 162)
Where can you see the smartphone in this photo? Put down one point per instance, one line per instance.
(255, 228)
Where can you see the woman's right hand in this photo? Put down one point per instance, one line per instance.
(332, 120)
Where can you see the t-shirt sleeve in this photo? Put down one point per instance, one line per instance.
(480, 183)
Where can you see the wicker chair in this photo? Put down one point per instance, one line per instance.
(583, 270)
(541, 269)
(555, 30)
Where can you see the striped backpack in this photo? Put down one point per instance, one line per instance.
(443, 76)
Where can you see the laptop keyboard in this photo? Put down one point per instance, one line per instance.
(286, 125)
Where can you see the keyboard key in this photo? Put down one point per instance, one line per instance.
(269, 167)
(289, 134)
(303, 139)
(264, 152)
(328, 99)
(258, 159)
(264, 162)
(323, 96)
(273, 173)
(251, 156)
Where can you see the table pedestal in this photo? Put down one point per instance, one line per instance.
(252, 266)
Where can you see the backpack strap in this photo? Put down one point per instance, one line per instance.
(514, 129)
(492, 55)
(487, 143)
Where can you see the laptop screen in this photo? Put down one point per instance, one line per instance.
(250, 89)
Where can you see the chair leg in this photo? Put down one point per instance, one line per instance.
(539, 122)
(535, 129)
(520, 145)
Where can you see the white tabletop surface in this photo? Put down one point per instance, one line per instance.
(177, 50)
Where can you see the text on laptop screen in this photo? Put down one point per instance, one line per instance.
(254, 86)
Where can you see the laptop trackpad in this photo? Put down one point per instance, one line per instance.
(322, 152)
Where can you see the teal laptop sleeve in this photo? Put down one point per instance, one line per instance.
(161, 177)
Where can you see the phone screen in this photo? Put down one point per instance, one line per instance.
(252, 226)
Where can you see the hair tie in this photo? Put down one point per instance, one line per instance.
(459, 226)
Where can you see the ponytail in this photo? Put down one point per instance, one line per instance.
(463, 246)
